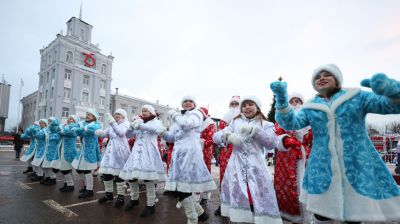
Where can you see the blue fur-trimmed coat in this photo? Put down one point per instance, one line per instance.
(345, 177)
(89, 156)
(28, 134)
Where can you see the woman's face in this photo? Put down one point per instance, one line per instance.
(249, 109)
(90, 117)
(42, 124)
(118, 117)
(145, 113)
(325, 82)
(188, 105)
(70, 120)
(294, 102)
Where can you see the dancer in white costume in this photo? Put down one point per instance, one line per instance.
(144, 163)
(188, 173)
(115, 156)
(247, 192)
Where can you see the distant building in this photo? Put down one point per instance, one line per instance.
(133, 106)
(4, 103)
(73, 75)
(29, 106)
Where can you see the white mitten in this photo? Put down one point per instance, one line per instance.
(109, 118)
(246, 129)
(162, 131)
(99, 133)
(225, 137)
(172, 114)
(136, 123)
(235, 139)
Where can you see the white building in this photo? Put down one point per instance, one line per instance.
(4, 102)
(74, 75)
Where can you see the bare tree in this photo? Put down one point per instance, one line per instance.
(393, 127)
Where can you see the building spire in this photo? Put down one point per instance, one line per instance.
(80, 12)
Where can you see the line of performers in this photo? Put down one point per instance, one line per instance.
(330, 173)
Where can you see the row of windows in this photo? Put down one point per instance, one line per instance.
(69, 58)
(86, 79)
(85, 96)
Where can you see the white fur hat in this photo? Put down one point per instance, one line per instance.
(93, 112)
(296, 95)
(44, 120)
(331, 68)
(252, 98)
(121, 111)
(150, 109)
(189, 97)
(36, 123)
(76, 118)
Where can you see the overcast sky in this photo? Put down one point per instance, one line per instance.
(212, 49)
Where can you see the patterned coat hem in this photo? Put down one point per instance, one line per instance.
(190, 187)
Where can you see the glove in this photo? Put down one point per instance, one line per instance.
(382, 85)
(173, 114)
(225, 137)
(109, 118)
(136, 123)
(246, 129)
(280, 91)
(99, 133)
(162, 131)
(290, 142)
(235, 139)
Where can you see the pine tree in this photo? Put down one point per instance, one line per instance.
(271, 113)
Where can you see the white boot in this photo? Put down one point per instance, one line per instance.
(190, 211)
(198, 208)
(151, 194)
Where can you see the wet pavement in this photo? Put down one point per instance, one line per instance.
(24, 201)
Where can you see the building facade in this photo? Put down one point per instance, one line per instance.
(133, 106)
(29, 107)
(74, 74)
(4, 103)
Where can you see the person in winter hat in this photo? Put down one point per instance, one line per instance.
(144, 163)
(188, 173)
(51, 154)
(226, 151)
(291, 156)
(115, 156)
(40, 136)
(89, 157)
(207, 131)
(337, 181)
(30, 153)
(247, 192)
(68, 151)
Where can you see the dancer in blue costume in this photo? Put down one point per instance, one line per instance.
(345, 178)
(89, 157)
(68, 151)
(30, 153)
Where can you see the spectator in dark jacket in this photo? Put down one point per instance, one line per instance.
(18, 143)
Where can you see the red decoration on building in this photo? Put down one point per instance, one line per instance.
(89, 60)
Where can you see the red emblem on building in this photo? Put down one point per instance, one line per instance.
(89, 60)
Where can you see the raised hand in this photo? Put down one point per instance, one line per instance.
(280, 91)
(382, 85)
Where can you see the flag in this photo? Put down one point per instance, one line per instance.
(22, 82)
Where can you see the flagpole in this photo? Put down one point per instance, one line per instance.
(19, 103)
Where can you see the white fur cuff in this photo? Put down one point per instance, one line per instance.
(280, 145)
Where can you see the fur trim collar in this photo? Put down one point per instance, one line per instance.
(207, 122)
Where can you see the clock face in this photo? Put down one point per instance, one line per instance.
(89, 60)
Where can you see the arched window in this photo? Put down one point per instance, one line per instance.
(70, 57)
(103, 68)
(85, 95)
